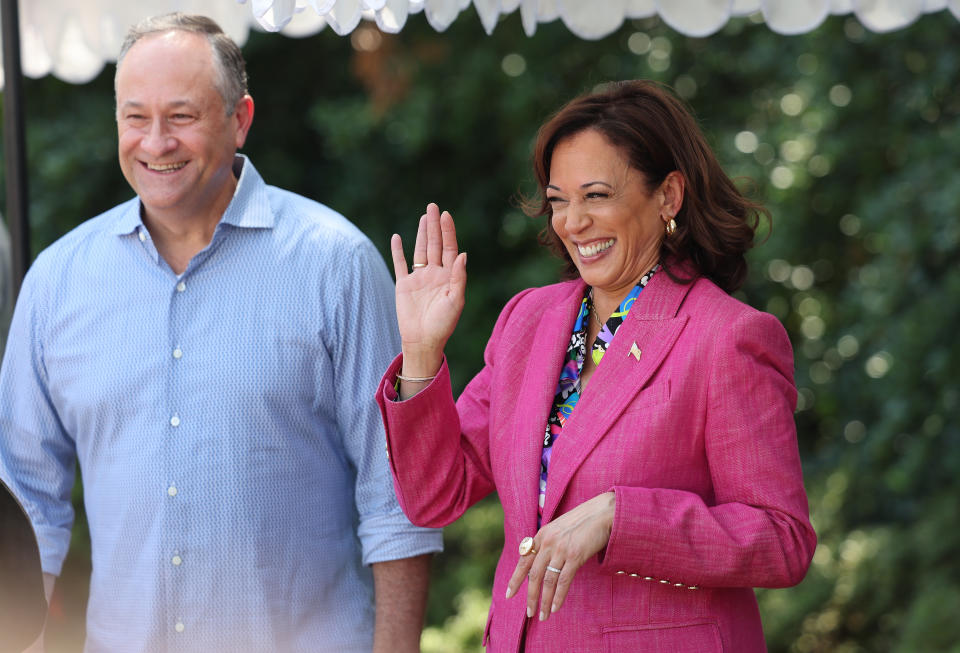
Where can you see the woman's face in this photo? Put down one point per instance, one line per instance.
(610, 223)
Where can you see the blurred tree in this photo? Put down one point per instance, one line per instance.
(849, 137)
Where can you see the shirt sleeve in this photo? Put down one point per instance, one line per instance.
(37, 456)
(367, 340)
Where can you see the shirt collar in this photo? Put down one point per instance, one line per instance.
(249, 208)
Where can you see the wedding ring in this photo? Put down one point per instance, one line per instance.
(526, 546)
(419, 265)
(553, 569)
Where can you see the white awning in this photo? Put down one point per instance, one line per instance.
(73, 40)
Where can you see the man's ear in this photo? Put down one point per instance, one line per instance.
(243, 117)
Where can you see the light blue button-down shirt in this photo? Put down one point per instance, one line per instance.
(235, 475)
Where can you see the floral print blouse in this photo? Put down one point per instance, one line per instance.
(569, 387)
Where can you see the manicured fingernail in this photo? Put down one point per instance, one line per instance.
(529, 612)
(554, 608)
(543, 616)
(509, 592)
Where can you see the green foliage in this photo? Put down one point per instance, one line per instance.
(851, 140)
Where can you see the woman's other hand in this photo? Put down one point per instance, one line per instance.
(564, 544)
(430, 296)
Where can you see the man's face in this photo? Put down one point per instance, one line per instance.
(176, 141)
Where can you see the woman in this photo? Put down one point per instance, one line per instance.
(636, 421)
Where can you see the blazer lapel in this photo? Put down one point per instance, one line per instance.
(653, 327)
(548, 346)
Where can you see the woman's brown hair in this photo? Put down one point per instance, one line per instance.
(715, 224)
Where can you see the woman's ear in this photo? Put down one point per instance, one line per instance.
(672, 189)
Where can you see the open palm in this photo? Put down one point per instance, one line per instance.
(430, 298)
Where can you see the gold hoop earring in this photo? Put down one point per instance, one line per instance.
(671, 227)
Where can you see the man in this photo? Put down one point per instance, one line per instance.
(208, 352)
(6, 284)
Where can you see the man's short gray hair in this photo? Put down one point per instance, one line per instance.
(231, 69)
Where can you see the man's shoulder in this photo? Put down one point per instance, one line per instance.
(296, 214)
(83, 235)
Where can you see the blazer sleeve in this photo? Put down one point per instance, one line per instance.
(439, 451)
(756, 531)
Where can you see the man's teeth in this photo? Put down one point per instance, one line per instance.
(596, 248)
(166, 167)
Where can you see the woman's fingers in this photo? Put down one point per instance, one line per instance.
(533, 589)
(420, 246)
(458, 278)
(448, 233)
(556, 583)
(519, 573)
(563, 546)
(434, 237)
(399, 260)
(550, 579)
(546, 588)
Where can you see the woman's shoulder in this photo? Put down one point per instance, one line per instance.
(729, 320)
(530, 303)
(708, 299)
(555, 292)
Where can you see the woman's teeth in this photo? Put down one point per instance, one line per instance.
(594, 249)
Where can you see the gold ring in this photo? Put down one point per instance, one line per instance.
(526, 546)
(419, 265)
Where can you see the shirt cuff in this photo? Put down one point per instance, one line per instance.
(53, 543)
(392, 537)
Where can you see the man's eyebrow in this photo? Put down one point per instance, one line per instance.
(173, 104)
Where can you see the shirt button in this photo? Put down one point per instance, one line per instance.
(142, 236)
(178, 627)
(177, 353)
(176, 561)
(181, 287)
(174, 421)
(172, 491)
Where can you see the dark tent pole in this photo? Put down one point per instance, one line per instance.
(14, 148)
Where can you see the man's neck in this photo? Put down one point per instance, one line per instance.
(178, 237)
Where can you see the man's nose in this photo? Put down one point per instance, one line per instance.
(158, 140)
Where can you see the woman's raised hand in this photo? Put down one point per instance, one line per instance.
(430, 296)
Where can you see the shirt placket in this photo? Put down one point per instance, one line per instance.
(173, 556)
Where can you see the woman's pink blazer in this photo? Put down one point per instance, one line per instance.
(696, 437)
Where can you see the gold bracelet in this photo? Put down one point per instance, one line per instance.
(416, 379)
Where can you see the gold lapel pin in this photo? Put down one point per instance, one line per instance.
(635, 351)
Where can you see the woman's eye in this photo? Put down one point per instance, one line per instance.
(554, 199)
(596, 195)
